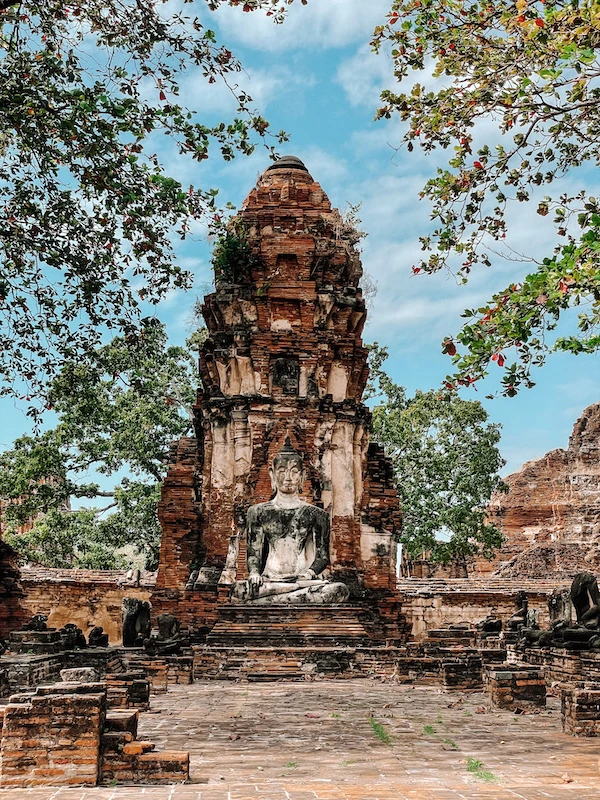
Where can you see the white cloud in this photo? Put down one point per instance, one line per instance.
(365, 75)
(323, 23)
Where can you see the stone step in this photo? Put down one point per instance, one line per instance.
(122, 721)
(252, 625)
(266, 677)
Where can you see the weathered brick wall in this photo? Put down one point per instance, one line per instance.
(550, 516)
(12, 611)
(178, 516)
(431, 604)
(52, 739)
(560, 665)
(85, 597)
(63, 735)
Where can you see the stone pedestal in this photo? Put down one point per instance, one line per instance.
(462, 674)
(35, 642)
(580, 710)
(514, 686)
(289, 626)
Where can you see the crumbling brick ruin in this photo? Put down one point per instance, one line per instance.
(284, 357)
(550, 516)
(284, 368)
(12, 610)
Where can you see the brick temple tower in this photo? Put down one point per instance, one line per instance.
(284, 357)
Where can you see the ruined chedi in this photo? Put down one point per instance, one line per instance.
(550, 516)
(283, 366)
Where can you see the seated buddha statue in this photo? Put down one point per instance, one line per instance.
(287, 544)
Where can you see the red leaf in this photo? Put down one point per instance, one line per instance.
(162, 95)
(478, 165)
(500, 360)
(539, 22)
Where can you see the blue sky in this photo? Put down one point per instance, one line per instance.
(315, 77)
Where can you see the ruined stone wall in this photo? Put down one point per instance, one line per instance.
(551, 514)
(50, 740)
(85, 597)
(429, 605)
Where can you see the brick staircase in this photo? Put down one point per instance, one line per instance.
(267, 643)
(125, 759)
(290, 626)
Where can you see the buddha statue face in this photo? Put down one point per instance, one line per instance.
(287, 474)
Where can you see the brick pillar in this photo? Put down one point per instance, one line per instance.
(53, 739)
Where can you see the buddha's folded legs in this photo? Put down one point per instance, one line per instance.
(301, 592)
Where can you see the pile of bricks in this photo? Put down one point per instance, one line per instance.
(515, 686)
(155, 671)
(291, 626)
(128, 690)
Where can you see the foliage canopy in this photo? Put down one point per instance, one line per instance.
(87, 213)
(446, 462)
(121, 414)
(531, 68)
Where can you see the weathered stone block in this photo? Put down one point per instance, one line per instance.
(580, 710)
(518, 687)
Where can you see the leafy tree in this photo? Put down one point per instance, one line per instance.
(118, 414)
(87, 213)
(531, 68)
(446, 463)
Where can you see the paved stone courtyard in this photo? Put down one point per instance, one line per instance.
(309, 741)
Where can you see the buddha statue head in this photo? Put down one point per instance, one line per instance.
(287, 470)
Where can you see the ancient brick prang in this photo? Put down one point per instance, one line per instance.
(550, 516)
(284, 357)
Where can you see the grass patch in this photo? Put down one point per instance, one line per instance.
(476, 768)
(451, 743)
(379, 731)
(468, 714)
(348, 763)
(292, 764)
(336, 716)
(429, 730)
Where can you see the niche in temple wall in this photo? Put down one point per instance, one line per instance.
(285, 315)
(284, 374)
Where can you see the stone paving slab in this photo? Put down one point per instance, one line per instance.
(319, 741)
